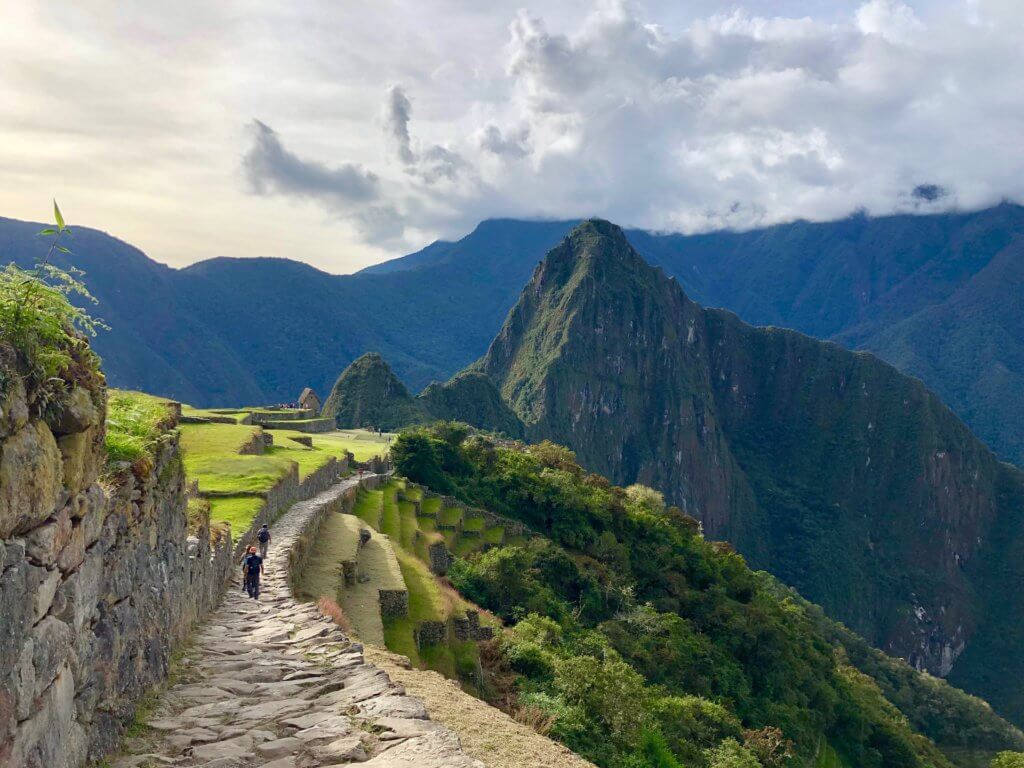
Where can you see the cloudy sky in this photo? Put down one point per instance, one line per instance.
(343, 133)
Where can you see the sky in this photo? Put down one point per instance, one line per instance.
(342, 133)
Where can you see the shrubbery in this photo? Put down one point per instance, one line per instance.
(45, 330)
(641, 643)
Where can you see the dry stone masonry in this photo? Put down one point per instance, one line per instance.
(97, 582)
(272, 683)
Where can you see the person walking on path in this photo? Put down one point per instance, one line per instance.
(252, 567)
(263, 537)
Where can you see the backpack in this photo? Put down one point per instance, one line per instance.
(252, 564)
(263, 536)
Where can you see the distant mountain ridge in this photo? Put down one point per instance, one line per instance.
(939, 296)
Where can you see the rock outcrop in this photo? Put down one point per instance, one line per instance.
(98, 582)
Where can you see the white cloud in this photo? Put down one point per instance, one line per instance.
(412, 121)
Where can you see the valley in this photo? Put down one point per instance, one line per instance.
(562, 541)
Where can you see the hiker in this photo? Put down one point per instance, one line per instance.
(252, 567)
(263, 537)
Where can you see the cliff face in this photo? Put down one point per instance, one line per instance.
(846, 479)
(97, 581)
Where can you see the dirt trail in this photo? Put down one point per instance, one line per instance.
(487, 734)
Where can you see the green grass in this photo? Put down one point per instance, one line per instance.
(449, 516)
(431, 505)
(495, 535)
(135, 421)
(408, 527)
(368, 507)
(362, 444)
(239, 511)
(208, 413)
(410, 536)
(426, 603)
(227, 474)
(473, 524)
(211, 439)
(828, 758)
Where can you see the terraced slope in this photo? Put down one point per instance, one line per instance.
(407, 537)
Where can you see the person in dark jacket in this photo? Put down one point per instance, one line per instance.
(263, 539)
(252, 568)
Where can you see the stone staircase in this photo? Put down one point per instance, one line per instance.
(272, 683)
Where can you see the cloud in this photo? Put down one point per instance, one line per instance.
(347, 190)
(393, 130)
(272, 169)
(513, 145)
(732, 120)
(396, 116)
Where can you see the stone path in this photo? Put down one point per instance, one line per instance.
(272, 683)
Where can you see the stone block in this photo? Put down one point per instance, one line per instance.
(80, 592)
(76, 412)
(73, 553)
(13, 409)
(81, 460)
(44, 543)
(15, 609)
(51, 648)
(47, 582)
(31, 479)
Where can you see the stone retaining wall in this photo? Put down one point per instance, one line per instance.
(98, 582)
(263, 418)
(313, 426)
(288, 491)
(310, 518)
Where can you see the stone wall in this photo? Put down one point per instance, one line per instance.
(311, 425)
(288, 491)
(318, 507)
(98, 582)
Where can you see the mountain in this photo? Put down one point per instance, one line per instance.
(843, 477)
(625, 629)
(939, 296)
(369, 394)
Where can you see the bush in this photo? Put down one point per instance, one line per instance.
(46, 331)
(729, 754)
(1008, 760)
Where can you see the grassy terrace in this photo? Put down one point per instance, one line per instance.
(236, 484)
(429, 598)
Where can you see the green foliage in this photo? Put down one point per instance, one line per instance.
(731, 754)
(135, 421)
(1008, 760)
(37, 320)
(630, 624)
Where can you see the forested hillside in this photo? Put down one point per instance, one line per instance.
(640, 643)
(938, 296)
(843, 477)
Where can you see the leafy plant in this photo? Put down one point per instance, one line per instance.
(37, 320)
